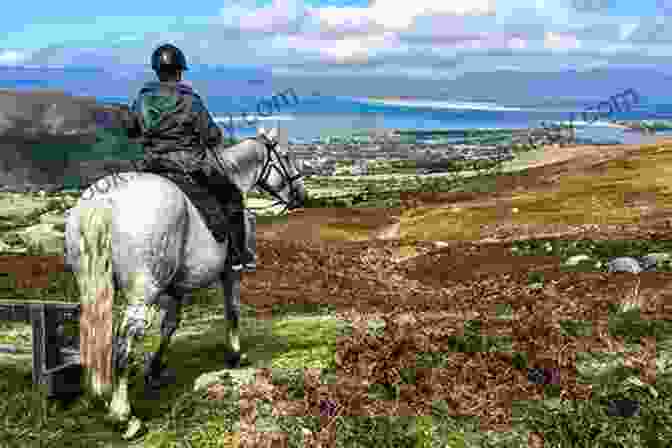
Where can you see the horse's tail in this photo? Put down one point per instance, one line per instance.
(95, 248)
(96, 287)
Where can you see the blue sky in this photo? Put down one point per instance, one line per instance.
(347, 43)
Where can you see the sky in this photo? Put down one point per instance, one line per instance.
(425, 48)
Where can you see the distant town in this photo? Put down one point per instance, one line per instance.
(427, 148)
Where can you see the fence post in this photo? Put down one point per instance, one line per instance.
(37, 321)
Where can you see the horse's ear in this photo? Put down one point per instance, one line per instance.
(282, 138)
(273, 134)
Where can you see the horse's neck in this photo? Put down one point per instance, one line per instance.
(242, 167)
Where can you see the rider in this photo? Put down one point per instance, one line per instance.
(176, 129)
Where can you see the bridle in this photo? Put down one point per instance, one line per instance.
(266, 170)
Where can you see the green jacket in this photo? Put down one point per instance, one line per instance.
(173, 124)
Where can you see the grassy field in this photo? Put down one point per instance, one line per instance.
(298, 337)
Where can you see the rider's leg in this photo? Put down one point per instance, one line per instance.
(242, 228)
(250, 245)
(236, 230)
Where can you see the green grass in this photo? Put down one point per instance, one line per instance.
(287, 343)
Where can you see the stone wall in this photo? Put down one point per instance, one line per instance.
(42, 130)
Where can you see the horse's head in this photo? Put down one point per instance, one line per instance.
(280, 175)
(264, 163)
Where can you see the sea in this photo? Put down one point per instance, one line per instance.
(312, 116)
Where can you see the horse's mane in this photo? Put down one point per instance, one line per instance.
(242, 162)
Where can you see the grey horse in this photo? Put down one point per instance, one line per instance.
(138, 248)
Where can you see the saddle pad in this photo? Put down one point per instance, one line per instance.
(215, 213)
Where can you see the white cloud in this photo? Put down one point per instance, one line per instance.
(516, 42)
(558, 41)
(398, 15)
(626, 29)
(12, 57)
(281, 13)
(439, 39)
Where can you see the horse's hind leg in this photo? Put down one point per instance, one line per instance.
(170, 318)
(130, 339)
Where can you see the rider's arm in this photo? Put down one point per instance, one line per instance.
(213, 134)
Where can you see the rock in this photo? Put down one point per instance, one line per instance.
(655, 260)
(624, 264)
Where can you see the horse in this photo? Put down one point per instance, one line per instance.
(137, 249)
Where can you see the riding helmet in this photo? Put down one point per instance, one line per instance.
(168, 57)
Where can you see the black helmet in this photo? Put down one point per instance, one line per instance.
(168, 57)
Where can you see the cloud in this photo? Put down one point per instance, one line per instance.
(12, 57)
(652, 30)
(280, 16)
(558, 41)
(436, 39)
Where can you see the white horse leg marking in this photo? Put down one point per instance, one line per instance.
(130, 340)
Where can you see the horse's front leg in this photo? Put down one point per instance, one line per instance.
(230, 285)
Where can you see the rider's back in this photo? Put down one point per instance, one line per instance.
(170, 117)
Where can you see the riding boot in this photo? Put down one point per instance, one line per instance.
(249, 240)
(243, 240)
(236, 230)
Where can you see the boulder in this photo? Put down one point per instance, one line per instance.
(624, 264)
(655, 260)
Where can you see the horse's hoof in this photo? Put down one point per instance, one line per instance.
(232, 359)
(166, 377)
(235, 360)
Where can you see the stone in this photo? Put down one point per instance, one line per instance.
(624, 264)
(654, 260)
